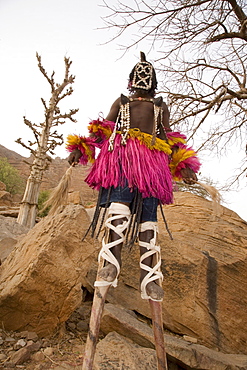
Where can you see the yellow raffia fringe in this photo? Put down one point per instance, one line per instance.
(79, 141)
(94, 127)
(146, 139)
(88, 153)
(179, 156)
(74, 140)
(172, 140)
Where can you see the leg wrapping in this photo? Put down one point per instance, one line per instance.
(117, 211)
(153, 272)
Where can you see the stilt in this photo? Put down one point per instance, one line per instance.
(156, 311)
(102, 286)
(117, 212)
(100, 294)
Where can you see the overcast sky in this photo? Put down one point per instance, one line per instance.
(71, 28)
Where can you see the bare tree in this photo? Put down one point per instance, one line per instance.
(203, 60)
(45, 141)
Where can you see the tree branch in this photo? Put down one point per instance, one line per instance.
(238, 11)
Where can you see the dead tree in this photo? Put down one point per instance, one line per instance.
(46, 140)
(202, 58)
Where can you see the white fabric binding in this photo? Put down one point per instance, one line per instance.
(116, 211)
(154, 273)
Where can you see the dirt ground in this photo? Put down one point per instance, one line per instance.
(64, 350)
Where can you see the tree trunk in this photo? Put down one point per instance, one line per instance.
(29, 205)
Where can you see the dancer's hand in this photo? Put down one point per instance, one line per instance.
(74, 157)
(189, 176)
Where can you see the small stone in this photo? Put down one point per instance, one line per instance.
(45, 343)
(82, 326)
(38, 356)
(31, 335)
(33, 346)
(23, 334)
(189, 339)
(71, 325)
(81, 311)
(20, 343)
(9, 339)
(2, 357)
(48, 351)
(22, 355)
(9, 365)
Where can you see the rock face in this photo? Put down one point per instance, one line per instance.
(205, 274)
(205, 270)
(204, 266)
(41, 279)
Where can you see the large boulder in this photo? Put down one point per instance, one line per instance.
(205, 274)
(5, 198)
(41, 279)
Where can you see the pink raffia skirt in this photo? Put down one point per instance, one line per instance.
(143, 168)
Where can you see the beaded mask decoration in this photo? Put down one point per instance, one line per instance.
(143, 74)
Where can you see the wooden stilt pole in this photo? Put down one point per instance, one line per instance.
(100, 294)
(156, 311)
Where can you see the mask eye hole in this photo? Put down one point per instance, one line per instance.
(140, 69)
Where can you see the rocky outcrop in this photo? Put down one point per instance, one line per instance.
(41, 279)
(53, 174)
(204, 266)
